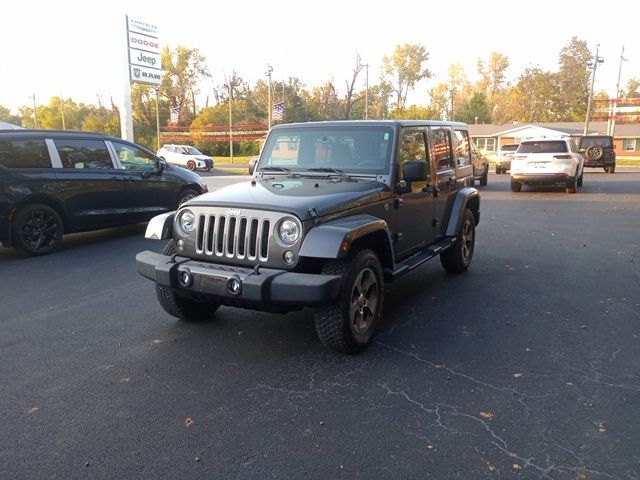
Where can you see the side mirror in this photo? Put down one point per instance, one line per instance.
(415, 171)
(161, 166)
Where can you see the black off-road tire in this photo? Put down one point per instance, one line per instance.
(348, 326)
(516, 186)
(37, 229)
(457, 258)
(485, 177)
(611, 169)
(186, 194)
(180, 306)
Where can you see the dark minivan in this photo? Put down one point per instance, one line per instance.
(54, 182)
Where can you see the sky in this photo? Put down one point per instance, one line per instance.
(76, 49)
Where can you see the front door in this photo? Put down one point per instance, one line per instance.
(414, 201)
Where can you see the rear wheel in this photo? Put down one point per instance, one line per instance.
(498, 171)
(348, 325)
(581, 178)
(457, 258)
(516, 186)
(37, 229)
(572, 185)
(612, 168)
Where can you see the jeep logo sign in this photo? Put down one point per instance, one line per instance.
(144, 59)
(234, 212)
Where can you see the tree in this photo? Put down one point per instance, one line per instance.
(531, 99)
(183, 69)
(475, 110)
(349, 98)
(633, 88)
(414, 112)
(573, 81)
(404, 68)
(492, 76)
(5, 116)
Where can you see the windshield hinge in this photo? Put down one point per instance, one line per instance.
(314, 213)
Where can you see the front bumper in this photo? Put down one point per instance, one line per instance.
(264, 288)
(541, 178)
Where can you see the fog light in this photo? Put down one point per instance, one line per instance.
(180, 244)
(185, 278)
(234, 286)
(289, 257)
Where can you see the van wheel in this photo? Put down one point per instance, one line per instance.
(457, 258)
(186, 194)
(37, 229)
(191, 165)
(348, 325)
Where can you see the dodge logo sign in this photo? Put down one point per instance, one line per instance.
(234, 212)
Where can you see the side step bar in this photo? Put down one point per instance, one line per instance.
(418, 259)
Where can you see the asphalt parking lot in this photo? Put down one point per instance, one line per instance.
(527, 366)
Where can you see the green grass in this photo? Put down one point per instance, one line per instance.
(227, 160)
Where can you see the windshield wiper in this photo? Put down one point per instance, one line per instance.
(332, 170)
(274, 168)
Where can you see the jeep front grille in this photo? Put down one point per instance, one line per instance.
(233, 237)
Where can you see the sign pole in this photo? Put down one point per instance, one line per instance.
(126, 113)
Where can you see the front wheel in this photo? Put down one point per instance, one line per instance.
(186, 194)
(457, 258)
(516, 186)
(348, 325)
(37, 229)
(191, 165)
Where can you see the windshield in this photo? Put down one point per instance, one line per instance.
(191, 151)
(543, 147)
(351, 149)
(586, 142)
(509, 148)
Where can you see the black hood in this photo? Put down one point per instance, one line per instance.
(295, 195)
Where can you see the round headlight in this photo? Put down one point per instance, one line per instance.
(187, 221)
(289, 231)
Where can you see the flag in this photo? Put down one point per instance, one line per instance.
(278, 111)
(175, 113)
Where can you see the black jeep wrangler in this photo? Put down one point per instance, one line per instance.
(334, 211)
(598, 151)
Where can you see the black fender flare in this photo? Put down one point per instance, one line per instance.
(326, 240)
(467, 196)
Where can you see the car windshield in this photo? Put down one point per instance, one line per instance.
(191, 151)
(509, 148)
(587, 142)
(352, 149)
(547, 146)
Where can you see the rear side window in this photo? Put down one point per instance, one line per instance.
(77, 154)
(543, 147)
(24, 154)
(441, 144)
(463, 153)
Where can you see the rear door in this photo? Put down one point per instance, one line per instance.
(92, 190)
(446, 179)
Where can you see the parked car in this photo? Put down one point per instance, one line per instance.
(598, 151)
(334, 210)
(186, 156)
(252, 164)
(53, 183)
(505, 154)
(480, 165)
(547, 161)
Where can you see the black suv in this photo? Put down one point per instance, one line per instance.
(335, 210)
(54, 182)
(598, 151)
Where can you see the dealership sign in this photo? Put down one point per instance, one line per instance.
(144, 52)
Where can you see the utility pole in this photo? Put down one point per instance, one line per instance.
(157, 118)
(615, 101)
(35, 112)
(366, 93)
(62, 111)
(593, 65)
(269, 70)
(230, 118)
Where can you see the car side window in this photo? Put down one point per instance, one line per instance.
(24, 154)
(441, 144)
(132, 158)
(77, 154)
(463, 153)
(412, 146)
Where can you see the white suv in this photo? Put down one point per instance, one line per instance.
(547, 161)
(185, 156)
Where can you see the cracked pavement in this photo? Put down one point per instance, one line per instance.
(527, 366)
